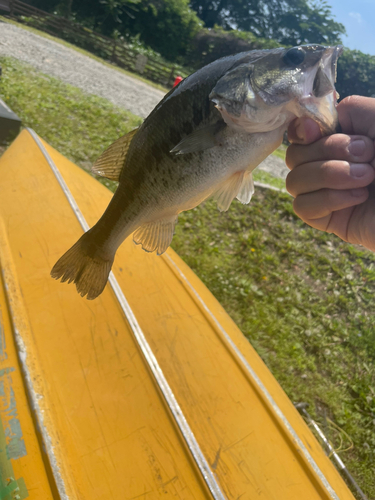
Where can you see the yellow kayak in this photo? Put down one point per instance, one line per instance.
(148, 392)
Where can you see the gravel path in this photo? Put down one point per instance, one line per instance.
(79, 70)
(92, 76)
(274, 166)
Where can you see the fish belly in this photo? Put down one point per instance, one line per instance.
(240, 153)
(184, 183)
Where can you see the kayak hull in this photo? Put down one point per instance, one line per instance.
(162, 397)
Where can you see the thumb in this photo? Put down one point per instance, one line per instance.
(357, 116)
(303, 131)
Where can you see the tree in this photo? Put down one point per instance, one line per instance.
(106, 16)
(355, 74)
(167, 26)
(46, 5)
(101, 15)
(290, 22)
(210, 44)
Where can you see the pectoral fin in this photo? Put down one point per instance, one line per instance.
(199, 140)
(155, 236)
(111, 162)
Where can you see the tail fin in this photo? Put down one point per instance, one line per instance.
(87, 265)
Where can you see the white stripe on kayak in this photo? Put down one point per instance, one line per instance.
(179, 417)
(261, 386)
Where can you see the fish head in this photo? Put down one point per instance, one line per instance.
(279, 85)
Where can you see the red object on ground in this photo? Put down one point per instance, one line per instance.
(178, 80)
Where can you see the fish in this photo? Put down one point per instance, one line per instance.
(202, 140)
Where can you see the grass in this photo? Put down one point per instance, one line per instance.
(79, 125)
(303, 298)
(280, 152)
(267, 178)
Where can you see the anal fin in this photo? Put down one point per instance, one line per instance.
(155, 236)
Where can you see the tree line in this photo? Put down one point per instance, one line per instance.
(196, 32)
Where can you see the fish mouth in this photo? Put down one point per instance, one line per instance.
(320, 101)
(326, 74)
(337, 51)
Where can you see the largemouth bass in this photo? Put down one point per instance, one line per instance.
(202, 140)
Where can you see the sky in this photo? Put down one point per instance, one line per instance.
(358, 17)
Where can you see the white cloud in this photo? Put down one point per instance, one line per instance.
(356, 16)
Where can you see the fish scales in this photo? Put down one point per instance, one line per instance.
(163, 129)
(203, 139)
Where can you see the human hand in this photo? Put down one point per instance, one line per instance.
(332, 177)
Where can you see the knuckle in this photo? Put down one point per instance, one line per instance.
(328, 173)
(346, 101)
(330, 196)
(369, 150)
(352, 100)
(335, 147)
(336, 142)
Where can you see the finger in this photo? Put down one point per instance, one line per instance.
(332, 174)
(303, 131)
(335, 222)
(321, 203)
(356, 115)
(354, 149)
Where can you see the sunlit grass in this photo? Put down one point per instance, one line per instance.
(267, 178)
(280, 152)
(79, 125)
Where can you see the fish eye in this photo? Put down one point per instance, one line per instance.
(294, 57)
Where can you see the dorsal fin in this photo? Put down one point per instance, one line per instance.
(110, 163)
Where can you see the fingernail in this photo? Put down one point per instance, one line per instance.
(300, 131)
(358, 193)
(357, 147)
(358, 169)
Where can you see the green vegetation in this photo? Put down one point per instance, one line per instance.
(170, 26)
(195, 34)
(303, 298)
(176, 26)
(280, 151)
(356, 74)
(266, 178)
(289, 22)
(78, 125)
(211, 44)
